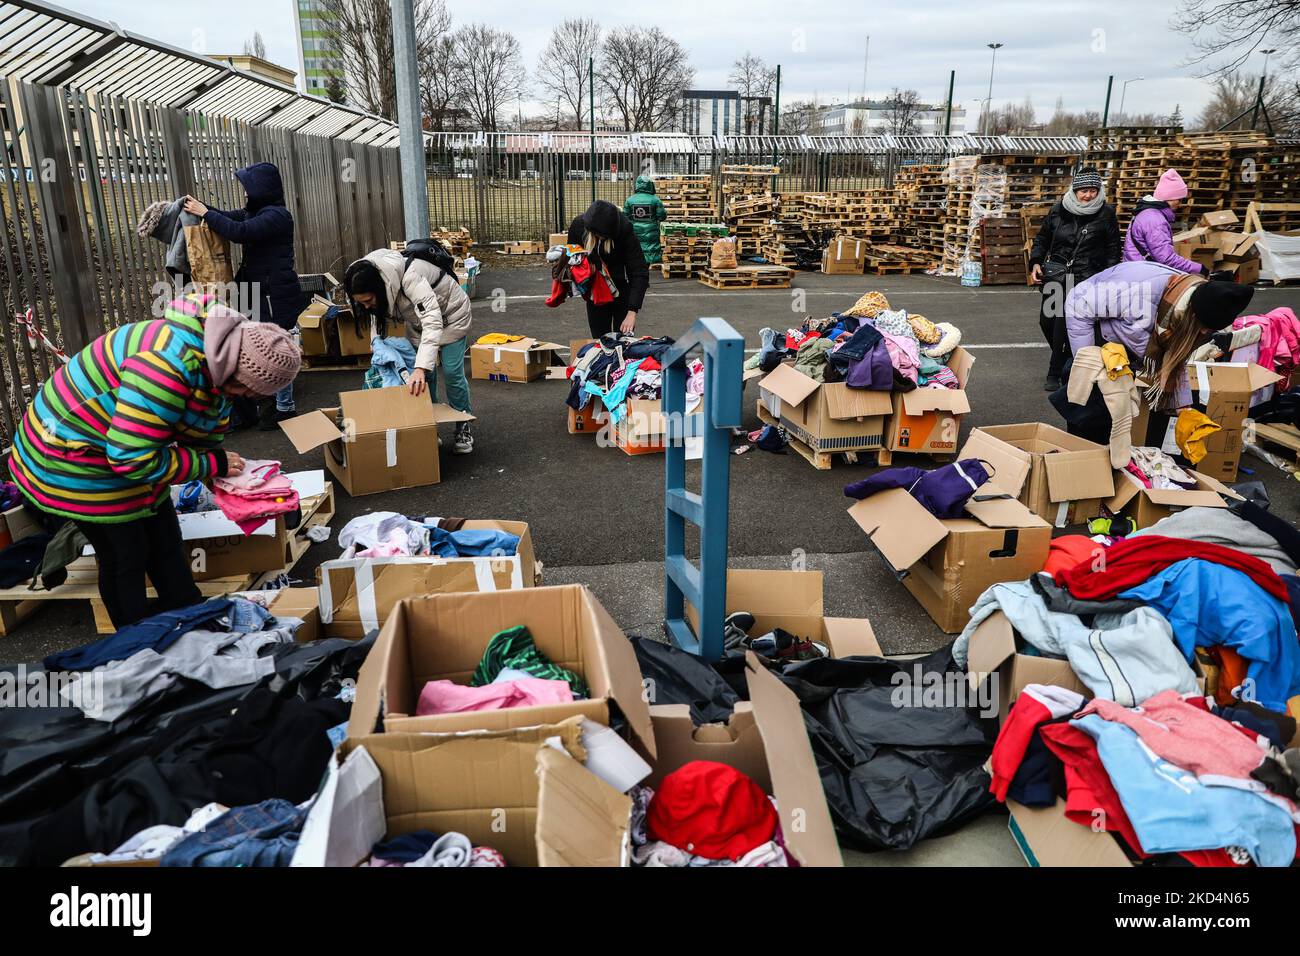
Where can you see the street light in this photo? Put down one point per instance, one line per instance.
(1267, 53)
(989, 101)
(1124, 92)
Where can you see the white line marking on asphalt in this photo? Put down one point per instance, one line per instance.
(984, 345)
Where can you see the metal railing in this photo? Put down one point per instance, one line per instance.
(507, 186)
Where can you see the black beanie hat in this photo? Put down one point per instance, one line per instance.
(602, 218)
(1216, 304)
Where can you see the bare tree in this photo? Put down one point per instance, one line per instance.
(562, 67)
(1232, 95)
(902, 111)
(643, 72)
(362, 32)
(490, 70)
(440, 81)
(1227, 32)
(256, 46)
(753, 79)
(800, 117)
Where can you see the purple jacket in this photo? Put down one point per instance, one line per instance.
(1123, 300)
(1151, 238)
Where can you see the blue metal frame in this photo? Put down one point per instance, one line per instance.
(705, 587)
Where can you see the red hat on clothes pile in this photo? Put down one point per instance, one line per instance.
(711, 810)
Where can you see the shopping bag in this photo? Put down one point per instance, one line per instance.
(209, 256)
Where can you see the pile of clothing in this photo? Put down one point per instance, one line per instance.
(706, 813)
(256, 495)
(892, 775)
(384, 534)
(1175, 775)
(392, 360)
(421, 848)
(620, 367)
(868, 346)
(512, 673)
(217, 707)
(574, 273)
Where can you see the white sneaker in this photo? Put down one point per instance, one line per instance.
(464, 440)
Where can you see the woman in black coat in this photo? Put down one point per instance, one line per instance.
(608, 237)
(268, 284)
(1079, 238)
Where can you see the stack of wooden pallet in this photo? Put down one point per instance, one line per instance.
(747, 218)
(457, 241)
(888, 260)
(922, 197)
(687, 198)
(779, 241)
(686, 247)
(1002, 251)
(748, 277)
(1108, 149)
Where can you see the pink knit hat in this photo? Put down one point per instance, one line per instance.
(268, 357)
(1171, 186)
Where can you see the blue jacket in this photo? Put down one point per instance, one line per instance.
(1209, 604)
(264, 227)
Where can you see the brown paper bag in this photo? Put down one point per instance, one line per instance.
(722, 255)
(209, 256)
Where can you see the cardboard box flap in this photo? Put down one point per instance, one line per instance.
(377, 409)
(1238, 244)
(1179, 498)
(1001, 512)
(312, 316)
(1228, 378)
(445, 414)
(843, 402)
(921, 400)
(624, 671)
(899, 526)
(851, 637)
(1078, 476)
(1213, 484)
(1011, 465)
(775, 593)
(992, 642)
(796, 784)
(1126, 489)
(312, 430)
(1218, 219)
(788, 384)
(581, 820)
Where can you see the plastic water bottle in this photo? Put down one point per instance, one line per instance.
(972, 271)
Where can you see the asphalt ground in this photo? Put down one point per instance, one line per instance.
(596, 514)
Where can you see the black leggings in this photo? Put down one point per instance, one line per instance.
(606, 318)
(129, 551)
(1053, 327)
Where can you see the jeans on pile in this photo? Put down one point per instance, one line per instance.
(264, 834)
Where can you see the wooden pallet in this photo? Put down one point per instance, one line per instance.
(748, 277)
(1286, 437)
(526, 247)
(335, 363)
(821, 460)
(18, 603)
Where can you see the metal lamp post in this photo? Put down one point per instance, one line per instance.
(988, 103)
(1124, 92)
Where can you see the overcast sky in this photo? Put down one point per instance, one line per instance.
(1052, 48)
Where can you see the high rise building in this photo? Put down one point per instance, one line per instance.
(318, 58)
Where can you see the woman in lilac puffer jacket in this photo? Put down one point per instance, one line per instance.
(1151, 233)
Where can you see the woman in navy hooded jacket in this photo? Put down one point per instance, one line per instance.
(264, 227)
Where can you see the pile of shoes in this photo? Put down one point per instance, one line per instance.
(776, 648)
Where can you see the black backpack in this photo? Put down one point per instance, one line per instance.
(431, 251)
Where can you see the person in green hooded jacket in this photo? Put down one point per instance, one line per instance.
(646, 211)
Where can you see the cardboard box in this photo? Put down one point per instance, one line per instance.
(1146, 506)
(443, 637)
(304, 604)
(357, 595)
(1218, 219)
(1067, 478)
(928, 420)
(844, 257)
(521, 361)
(643, 429)
(590, 420)
(389, 439)
(827, 417)
(792, 600)
(1046, 837)
(557, 239)
(340, 335)
(354, 336)
(1225, 391)
(16, 524)
(947, 563)
(508, 789)
(765, 739)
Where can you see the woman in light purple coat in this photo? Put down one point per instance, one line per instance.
(1151, 233)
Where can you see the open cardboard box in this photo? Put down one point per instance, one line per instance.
(947, 563)
(357, 595)
(443, 637)
(1067, 477)
(928, 420)
(1225, 391)
(509, 790)
(389, 438)
(321, 335)
(521, 361)
(827, 417)
(792, 600)
(1146, 506)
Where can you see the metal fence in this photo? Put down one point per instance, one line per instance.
(506, 186)
(80, 167)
